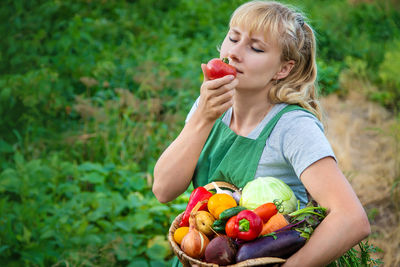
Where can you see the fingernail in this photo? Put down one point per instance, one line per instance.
(231, 77)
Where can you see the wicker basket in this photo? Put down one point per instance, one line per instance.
(189, 261)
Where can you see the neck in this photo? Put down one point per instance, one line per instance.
(249, 109)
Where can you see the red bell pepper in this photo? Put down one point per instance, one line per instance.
(249, 225)
(198, 194)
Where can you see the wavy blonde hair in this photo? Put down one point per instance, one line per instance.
(297, 42)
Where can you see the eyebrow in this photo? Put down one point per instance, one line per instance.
(256, 40)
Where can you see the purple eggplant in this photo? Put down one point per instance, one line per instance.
(281, 244)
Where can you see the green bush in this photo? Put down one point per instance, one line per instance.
(389, 78)
(57, 211)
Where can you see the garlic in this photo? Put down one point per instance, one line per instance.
(237, 195)
(221, 191)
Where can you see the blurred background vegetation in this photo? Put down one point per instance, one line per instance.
(91, 92)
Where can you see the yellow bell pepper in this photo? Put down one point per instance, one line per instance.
(219, 202)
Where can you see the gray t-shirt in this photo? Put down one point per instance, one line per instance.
(296, 142)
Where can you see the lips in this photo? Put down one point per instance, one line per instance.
(238, 70)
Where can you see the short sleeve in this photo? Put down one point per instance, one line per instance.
(303, 140)
(192, 110)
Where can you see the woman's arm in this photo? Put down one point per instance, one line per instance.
(174, 169)
(346, 223)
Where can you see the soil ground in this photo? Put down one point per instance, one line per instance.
(361, 135)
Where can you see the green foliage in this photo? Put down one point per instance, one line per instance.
(362, 31)
(91, 92)
(327, 76)
(389, 77)
(61, 211)
(358, 257)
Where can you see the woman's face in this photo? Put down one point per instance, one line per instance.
(256, 59)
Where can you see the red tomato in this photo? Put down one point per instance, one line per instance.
(231, 228)
(217, 68)
(266, 211)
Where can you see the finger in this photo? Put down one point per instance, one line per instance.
(223, 98)
(233, 84)
(214, 84)
(224, 106)
(203, 68)
(225, 88)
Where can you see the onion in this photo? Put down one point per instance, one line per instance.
(194, 243)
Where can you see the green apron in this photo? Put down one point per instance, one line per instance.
(232, 158)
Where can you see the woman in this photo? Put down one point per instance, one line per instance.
(266, 122)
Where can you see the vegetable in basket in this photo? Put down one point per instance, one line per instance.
(204, 222)
(267, 210)
(248, 225)
(282, 245)
(180, 233)
(194, 243)
(221, 191)
(226, 214)
(220, 202)
(276, 222)
(287, 240)
(198, 194)
(230, 227)
(267, 189)
(220, 225)
(221, 250)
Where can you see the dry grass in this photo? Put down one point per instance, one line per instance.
(367, 155)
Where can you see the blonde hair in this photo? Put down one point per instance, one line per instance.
(297, 42)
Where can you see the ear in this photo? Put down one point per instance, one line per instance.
(284, 70)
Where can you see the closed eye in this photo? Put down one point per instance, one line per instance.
(253, 48)
(257, 50)
(232, 40)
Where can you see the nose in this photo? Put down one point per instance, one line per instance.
(235, 53)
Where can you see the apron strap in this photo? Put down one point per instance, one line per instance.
(271, 124)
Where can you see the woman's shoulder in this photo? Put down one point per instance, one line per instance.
(298, 128)
(299, 119)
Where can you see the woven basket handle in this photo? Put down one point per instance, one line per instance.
(221, 184)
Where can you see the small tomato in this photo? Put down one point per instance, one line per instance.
(180, 233)
(231, 228)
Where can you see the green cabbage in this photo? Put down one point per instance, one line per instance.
(267, 189)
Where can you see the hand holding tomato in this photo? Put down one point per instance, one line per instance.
(216, 94)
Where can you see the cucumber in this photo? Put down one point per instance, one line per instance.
(219, 229)
(219, 226)
(226, 214)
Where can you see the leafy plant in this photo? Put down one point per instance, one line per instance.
(389, 94)
(358, 258)
(57, 210)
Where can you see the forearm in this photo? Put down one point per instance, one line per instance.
(174, 169)
(336, 234)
